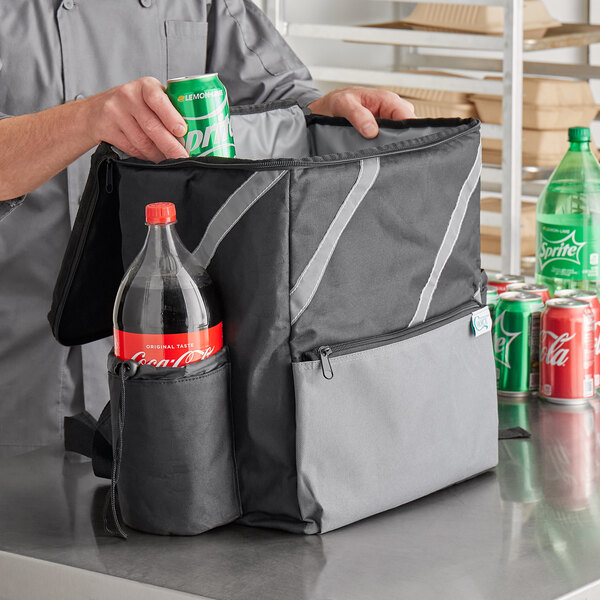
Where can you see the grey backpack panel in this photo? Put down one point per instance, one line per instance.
(329, 138)
(366, 443)
(389, 248)
(277, 133)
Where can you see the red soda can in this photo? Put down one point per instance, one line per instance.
(533, 288)
(567, 448)
(567, 351)
(592, 300)
(500, 281)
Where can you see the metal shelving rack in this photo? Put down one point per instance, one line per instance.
(509, 178)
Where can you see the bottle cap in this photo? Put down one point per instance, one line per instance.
(579, 134)
(160, 213)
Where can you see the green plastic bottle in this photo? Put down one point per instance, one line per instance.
(568, 220)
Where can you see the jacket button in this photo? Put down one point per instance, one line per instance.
(68, 4)
(146, 3)
(79, 97)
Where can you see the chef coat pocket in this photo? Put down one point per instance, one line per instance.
(186, 48)
(173, 445)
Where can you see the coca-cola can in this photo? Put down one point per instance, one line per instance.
(501, 280)
(592, 300)
(567, 450)
(567, 351)
(532, 288)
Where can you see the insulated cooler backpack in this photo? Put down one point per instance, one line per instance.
(358, 373)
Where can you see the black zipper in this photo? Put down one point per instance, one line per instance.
(287, 163)
(324, 352)
(109, 176)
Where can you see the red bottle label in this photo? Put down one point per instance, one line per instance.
(168, 350)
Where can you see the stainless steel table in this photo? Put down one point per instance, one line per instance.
(530, 529)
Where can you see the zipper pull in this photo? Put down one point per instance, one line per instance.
(324, 352)
(109, 176)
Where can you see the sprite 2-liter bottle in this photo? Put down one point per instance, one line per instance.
(568, 220)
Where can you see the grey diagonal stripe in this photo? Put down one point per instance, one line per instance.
(234, 208)
(449, 240)
(302, 293)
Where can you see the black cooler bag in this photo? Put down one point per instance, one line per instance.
(362, 372)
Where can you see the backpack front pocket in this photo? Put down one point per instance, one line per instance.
(176, 469)
(386, 420)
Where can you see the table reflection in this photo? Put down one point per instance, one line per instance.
(518, 463)
(550, 482)
(566, 443)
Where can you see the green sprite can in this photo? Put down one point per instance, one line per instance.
(492, 299)
(202, 102)
(516, 343)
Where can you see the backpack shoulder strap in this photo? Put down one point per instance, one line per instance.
(84, 435)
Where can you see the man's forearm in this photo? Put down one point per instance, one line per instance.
(137, 117)
(35, 147)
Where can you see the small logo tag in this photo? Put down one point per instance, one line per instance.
(481, 321)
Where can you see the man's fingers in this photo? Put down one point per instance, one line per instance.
(153, 127)
(350, 107)
(394, 107)
(118, 136)
(143, 113)
(367, 126)
(398, 114)
(156, 99)
(121, 141)
(140, 140)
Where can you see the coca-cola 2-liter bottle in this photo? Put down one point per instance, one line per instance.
(166, 311)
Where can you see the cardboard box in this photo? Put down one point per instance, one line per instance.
(479, 19)
(544, 91)
(541, 148)
(440, 96)
(538, 116)
(491, 236)
(437, 110)
(547, 104)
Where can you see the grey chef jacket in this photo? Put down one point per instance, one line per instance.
(53, 51)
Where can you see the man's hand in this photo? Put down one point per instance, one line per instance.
(138, 118)
(361, 105)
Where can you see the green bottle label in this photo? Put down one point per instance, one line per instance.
(567, 251)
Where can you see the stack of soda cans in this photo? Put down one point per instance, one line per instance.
(544, 345)
(551, 347)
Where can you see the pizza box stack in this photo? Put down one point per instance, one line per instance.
(491, 236)
(479, 19)
(550, 107)
(435, 104)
